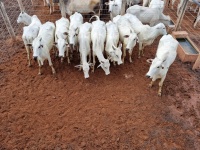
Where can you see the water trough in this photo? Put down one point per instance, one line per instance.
(187, 50)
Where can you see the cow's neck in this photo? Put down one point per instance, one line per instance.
(84, 57)
(100, 56)
(28, 20)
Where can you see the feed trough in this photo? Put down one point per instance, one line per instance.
(187, 50)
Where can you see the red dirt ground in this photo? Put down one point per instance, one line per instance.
(117, 111)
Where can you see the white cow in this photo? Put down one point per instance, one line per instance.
(75, 21)
(29, 34)
(148, 15)
(43, 44)
(83, 6)
(165, 56)
(61, 38)
(98, 36)
(114, 7)
(126, 34)
(146, 34)
(24, 18)
(84, 39)
(114, 53)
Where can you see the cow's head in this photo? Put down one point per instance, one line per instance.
(113, 5)
(116, 54)
(105, 65)
(161, 28)
(156, 67)
(62, 46)
(130, 41)
(86, 67)
(73, 36)
(37, 48)
(24, 18)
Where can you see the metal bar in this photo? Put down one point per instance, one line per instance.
(7, 21)
(62, 7)
(21, 5)
(123, 9)
(180, 17)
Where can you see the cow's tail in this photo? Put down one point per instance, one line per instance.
(97, 18)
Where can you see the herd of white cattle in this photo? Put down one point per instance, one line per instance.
(115, 38)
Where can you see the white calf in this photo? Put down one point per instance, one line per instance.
(29, 34)
(61, 38)
(75, 21)
(43, 44)
(127, 35)
(148, 15)
(165, 56)
(24, 18)
(98, 36)
(84, 39)
(147, 34)
(114, 53)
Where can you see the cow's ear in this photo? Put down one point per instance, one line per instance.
(106, 3)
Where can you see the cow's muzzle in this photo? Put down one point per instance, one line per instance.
(148, 76)
(35, 58)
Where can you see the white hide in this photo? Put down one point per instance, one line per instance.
(165, 56)
(24, 18)
(114, 53)
(61, 38)
(98, 36)
(148, 15)
(84, 39)
(126, 34)
(83, 6)
(129, 3)
(146, 34)
(30, 33)
(75, 21)
(43, 44)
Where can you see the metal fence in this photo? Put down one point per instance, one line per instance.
(7, 49)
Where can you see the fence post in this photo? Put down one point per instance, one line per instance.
(7, 21)
(62, 7)
(123, 7)
(180, 17)
(21, 5)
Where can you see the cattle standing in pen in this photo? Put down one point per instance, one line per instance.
(61, 38)
(43, 44)
(29, 34)
(98, 36)
(84, 39)
(75, 21)
(114, 53)
(127, 35)
(165, 56)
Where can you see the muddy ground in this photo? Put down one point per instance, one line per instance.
(118, 111)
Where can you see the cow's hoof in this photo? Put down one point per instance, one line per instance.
(150, 85)
(159, 94)
(39, 73)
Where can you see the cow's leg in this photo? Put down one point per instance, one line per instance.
(53, 5)
(68, 59)
(93, 62)
(51, 65)
(173, 1)
(44, 2)
(130, 54)
(140, 49)
(160, 86)
(28, 55)
(197, 20)
(39, 63)
(124, 52)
